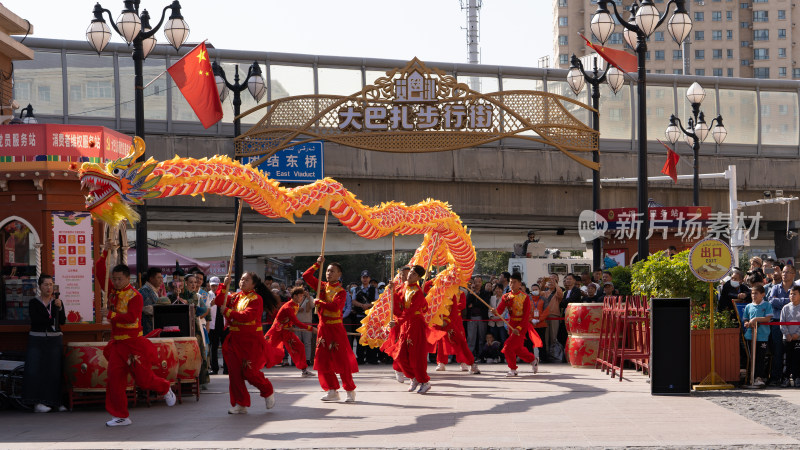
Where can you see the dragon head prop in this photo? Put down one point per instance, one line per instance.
(117, 185)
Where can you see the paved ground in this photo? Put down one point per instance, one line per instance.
(559, 407)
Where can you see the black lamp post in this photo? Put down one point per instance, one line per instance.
(254, 82)
(697, 132)
(576, 78)
(136, 30)
(645, 18)
(26, 115)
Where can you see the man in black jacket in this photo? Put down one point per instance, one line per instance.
(572, 294)
(364, 296)
(477, 313)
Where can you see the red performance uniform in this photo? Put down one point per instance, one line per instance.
(334, 353)
(243, 349)
(280, 337)
(454, 342)
(127, 352)
(410, 350)
(389, 346)
(519, 312)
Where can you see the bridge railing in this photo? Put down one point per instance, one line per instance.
(68, 82)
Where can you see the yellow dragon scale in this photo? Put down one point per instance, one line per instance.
(120, 183)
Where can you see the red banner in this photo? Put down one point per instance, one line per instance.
(60, 143)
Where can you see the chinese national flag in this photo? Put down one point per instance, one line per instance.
(670, 167)
(620, 59)
(195, 79)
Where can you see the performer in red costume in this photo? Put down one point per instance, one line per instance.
(454, 341)
(390, 345)
(280, 336)
(127, 352)
(334, 353)
(243, 349)
(410, 352)
(519, 310)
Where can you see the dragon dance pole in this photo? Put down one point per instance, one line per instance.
(322, 254)
(391, 296)
(235, 238)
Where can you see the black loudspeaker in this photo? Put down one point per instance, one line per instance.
(174, 320)
(670, 346)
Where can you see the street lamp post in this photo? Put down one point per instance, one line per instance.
(576, 78)
(136, 30)
(645, 18)
(697, 132)
(254, 82)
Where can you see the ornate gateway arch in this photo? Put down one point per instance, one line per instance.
(418, 109)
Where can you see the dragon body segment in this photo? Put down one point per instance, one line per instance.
(117, 185)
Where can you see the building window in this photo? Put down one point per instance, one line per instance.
(729, 53)
(716, 16)
(716, 72)
(563, 58)
(562, 40)
(781, 53)
(44, 93)
(759, 1)
(783, 109)
(745, 62)
(700, 72)
(698, 16)
(562, 21)
(716, 53)
(699, 35)
(729, 35)
(745, 43)
(781, 72)
(744, 5)
(761, 72)
(699, 54)
(647, 56)
(616, 38)
(658, 36)
(760, 16)
(728, 15)
(659, 71)
(744, 24)
(22, 90)
(677, 71)
(562, 3)
(98, 89)
(75, 92)
(760, 54)
(781, 33)
(795, 73)
(659, 55)
(730, 72)
(760, 35)
(677, 54)
(716, 35)
(781, 14)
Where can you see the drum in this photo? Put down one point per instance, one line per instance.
(189, 358)
(582, 350)
(166, 363)
(86, 368)
(584, 318)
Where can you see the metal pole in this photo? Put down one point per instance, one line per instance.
(597, 243)
(696, 151)
(238, 258)
(642, 199)
(141, 226)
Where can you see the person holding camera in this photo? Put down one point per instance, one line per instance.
(42, 381)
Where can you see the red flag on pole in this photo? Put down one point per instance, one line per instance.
(620, 59)
(670, 167)
(195, 79)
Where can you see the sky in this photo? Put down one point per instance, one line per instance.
(513, 32)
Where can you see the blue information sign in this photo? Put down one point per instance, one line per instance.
(302, 163)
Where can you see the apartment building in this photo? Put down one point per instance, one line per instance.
(729, 38)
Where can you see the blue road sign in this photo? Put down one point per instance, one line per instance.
(302, 163)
